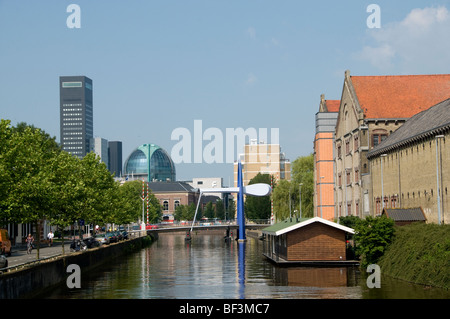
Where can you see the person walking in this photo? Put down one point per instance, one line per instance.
(50, 238)
(29, 240)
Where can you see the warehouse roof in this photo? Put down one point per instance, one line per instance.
(428, 123)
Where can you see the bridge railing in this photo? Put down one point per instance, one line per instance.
(212, 222)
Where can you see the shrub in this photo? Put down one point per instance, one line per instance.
(420, 253)
(372, 237)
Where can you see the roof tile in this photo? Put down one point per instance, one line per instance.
(400, 96)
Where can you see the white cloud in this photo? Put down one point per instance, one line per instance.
(420, 42)
(380, 57)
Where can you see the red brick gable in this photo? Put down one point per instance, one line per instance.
(399, 96)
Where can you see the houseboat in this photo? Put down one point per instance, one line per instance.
(308, 241)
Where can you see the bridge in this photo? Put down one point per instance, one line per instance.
(184, 227)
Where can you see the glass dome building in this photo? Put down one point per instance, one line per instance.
(152, 162)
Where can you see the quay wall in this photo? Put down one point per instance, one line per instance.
(30, 281)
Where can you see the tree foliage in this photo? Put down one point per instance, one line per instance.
(40, 181)
(372, 237)
(186, 212)
(258, 207)
(288, 192)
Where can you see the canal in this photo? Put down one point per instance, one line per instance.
(210, 268)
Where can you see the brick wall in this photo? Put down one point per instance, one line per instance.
(316, 242)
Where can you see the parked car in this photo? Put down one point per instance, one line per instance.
(5, 242)
(102, 239)
(91, 242)
(3, 261)
(118, 235)
(112, 237)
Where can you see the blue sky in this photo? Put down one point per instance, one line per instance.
(160, 65)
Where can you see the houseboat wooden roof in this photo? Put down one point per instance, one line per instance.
(291, 224)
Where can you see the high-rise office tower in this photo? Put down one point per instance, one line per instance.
(76, 114)
(115, 157)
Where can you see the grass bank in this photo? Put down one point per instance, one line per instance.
(419, 253)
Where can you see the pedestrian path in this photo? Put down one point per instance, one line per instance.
(19, 254)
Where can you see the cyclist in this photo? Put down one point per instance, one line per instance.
(30, 240)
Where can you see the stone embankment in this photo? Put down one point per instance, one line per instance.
(31, 280)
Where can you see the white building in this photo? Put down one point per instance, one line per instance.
(99, 146)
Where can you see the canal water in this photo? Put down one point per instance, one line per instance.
(210, 268)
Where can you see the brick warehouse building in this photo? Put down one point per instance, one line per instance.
(371, 108)
(411, 167)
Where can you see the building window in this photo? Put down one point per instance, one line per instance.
(349, 209)
(394, 201)
(356, 142)
(349, 181)
(347, 147)
(378, 138)
(72, 84)
(176, 204)
(339, 151)
(378, 205)
(339, 179)
(356, 175)
(166, 205)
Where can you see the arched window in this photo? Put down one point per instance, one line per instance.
(166, 205)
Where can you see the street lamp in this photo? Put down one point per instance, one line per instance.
(300, 193)
(382, 189)
(437, 180)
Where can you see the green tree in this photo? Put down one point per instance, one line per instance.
(180, 212)
(5, 173)
(65, 189)
(258, 207)
(209, 210)
(40, 181)
(286, 195)
(96, 199)
(220, 209)
(303, 173)
(130, 196)
(231, 212)
(372, 237)
(280, 198)
(349, 221)
(185, 212)
(26, 156)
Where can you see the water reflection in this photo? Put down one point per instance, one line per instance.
(314, 276)
(241, 266)
(208, 267)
